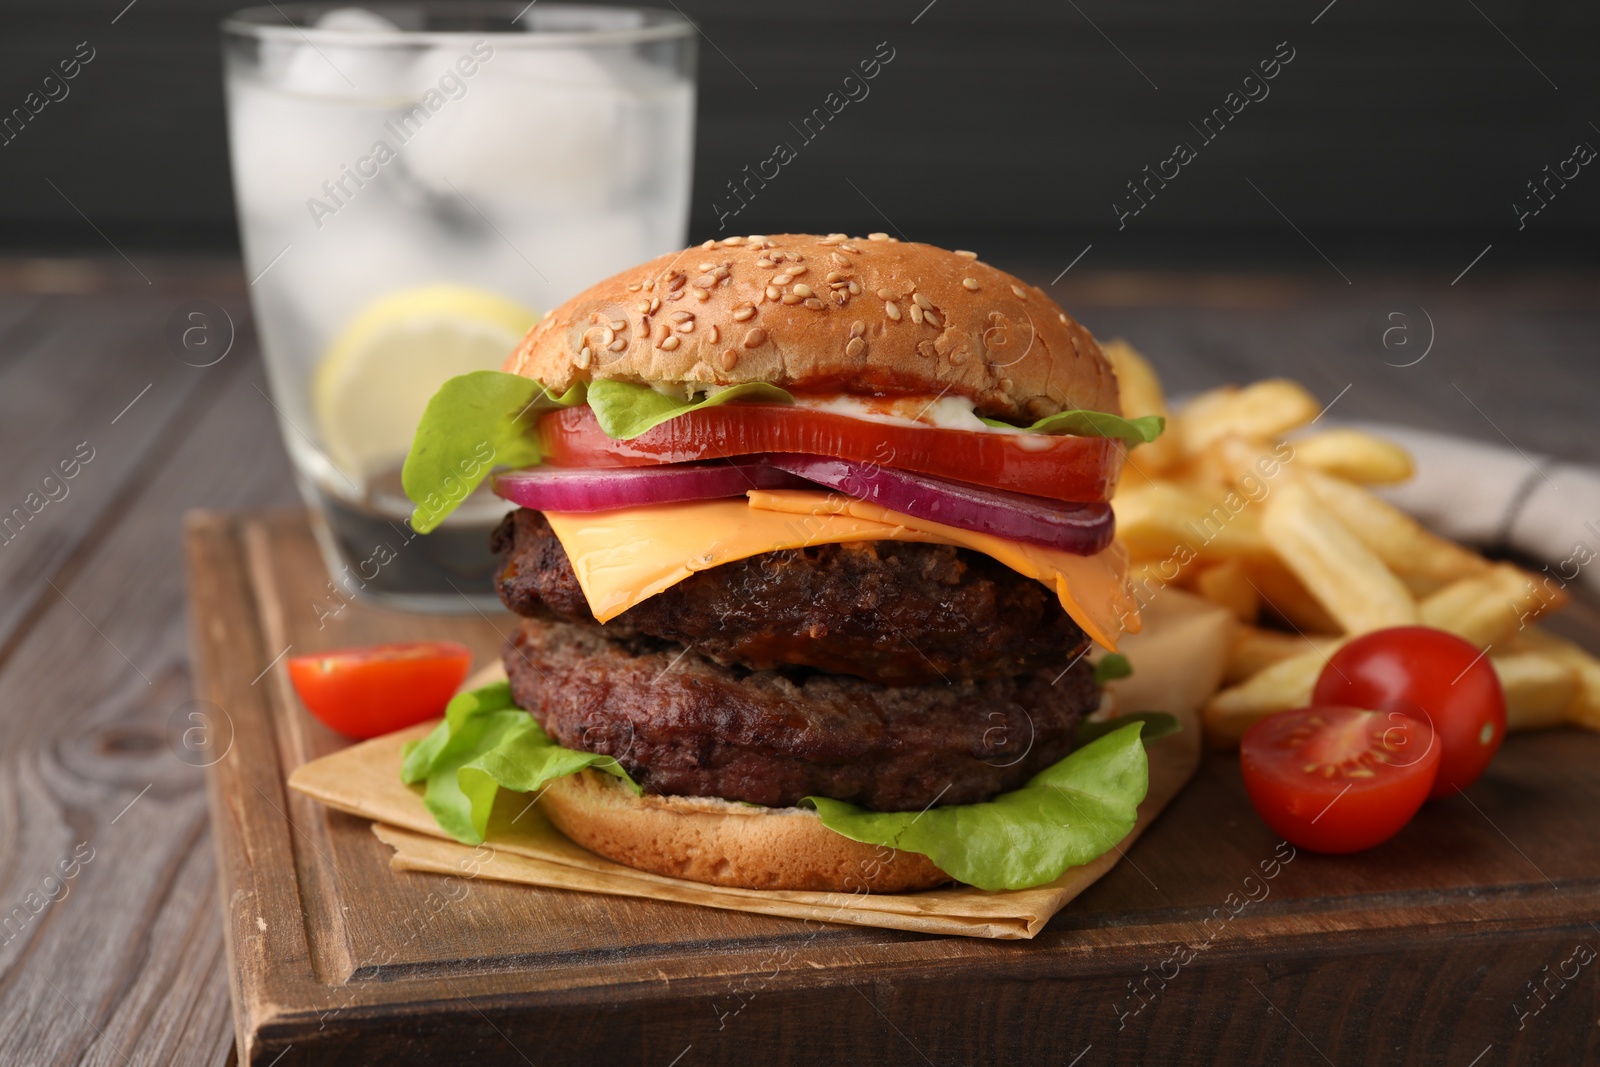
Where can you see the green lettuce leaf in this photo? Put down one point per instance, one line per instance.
(474, 423)
(1112, 665)
(1082, 423)
(626, 410)
(1066, 815)
(485, 744)
(1156, 724)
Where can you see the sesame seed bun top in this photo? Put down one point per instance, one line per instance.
(835, 313)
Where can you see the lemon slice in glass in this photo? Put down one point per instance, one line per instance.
(371, 387)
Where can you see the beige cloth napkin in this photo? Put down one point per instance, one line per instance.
(1178, 663)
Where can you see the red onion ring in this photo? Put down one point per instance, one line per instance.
(586, 489)
(1082, 529)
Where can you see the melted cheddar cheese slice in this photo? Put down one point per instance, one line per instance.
(624, 557)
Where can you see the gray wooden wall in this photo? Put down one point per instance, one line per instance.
(1399, 132)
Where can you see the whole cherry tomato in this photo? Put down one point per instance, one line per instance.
(1427, 674)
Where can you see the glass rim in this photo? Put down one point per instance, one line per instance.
(280, 22)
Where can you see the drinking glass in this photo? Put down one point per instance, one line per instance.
(415, 184)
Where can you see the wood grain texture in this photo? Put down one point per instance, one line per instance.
(134, 951)
(347, 954)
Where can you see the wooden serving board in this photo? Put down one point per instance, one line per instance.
(1205, 946)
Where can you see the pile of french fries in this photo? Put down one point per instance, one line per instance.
(1245, 502)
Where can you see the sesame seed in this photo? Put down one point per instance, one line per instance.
(855, 287)
(655, 304)
(712, 333)
(964, 254)
(922, 302)
(619, 324)
(618, 345)
(701, 294)
(734, 242)
(669, 344)
(675, 282)
(781, 279)
(857, 328)
(1063, 318)
(841, 297)
(765, 262)
(877, 237)
(680, 316)
(755, 239)
(634, 288)
(833, 276)
(583, 357)
(892, 310)
(916, 314)
(1020, 294)
(843, 261)
(855, 347)
(772, 292)
(802, 290)
(743, 313)
(722, 273)
(607, 335)
(706, 280)
(706, 266)
(663, 331)
(851, 248)
(708, 245)
(644, 307)
(970, 283)
(686, 327)
(730, 359)
(755, 338)
(799, 268)
(933, 319)
(814, 304)
(791, 298)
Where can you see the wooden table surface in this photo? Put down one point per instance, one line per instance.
(110, 942)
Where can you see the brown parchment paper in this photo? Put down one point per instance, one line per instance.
(1178, 663)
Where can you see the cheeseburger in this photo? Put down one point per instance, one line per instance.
(812, 541)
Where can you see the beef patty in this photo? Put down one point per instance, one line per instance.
(892, 612)
(682, 724)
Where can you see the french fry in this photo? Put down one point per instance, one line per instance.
(1584, 707)
(1539, 687)
(1355, 456)
(1256, 649)
(1265, 409)
(1162, 521)
(1286, 597)
(1488, 608)
(1424, 560)
(1142, 395)
(1342, 573)
(1228, 583)
(1284, 685)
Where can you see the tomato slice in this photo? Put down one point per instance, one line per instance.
(1061, 467)
(377, 689)
(1427, 674)
(1338, 779)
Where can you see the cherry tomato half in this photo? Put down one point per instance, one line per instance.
(377, 689)
(1336, 779)
(1058, 466)
(1427, 674)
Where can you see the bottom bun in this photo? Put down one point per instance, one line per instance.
(720, 842)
